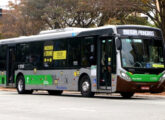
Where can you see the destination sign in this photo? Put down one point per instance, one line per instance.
(139, 32)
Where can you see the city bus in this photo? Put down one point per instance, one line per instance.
(123, 59)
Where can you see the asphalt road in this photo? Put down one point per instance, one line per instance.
(74, 107)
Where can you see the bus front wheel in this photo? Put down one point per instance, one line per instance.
(85, 87)
(127, 95)
(21, 86)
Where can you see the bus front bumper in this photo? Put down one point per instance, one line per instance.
(152, 87)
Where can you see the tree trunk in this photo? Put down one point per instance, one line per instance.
(162, 15)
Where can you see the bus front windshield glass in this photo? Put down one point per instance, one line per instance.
(142, 53)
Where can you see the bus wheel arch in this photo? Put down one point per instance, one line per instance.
(83, 83)
(20, 85)
(83, 74)
(19, 74)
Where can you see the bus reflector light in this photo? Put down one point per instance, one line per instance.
(145, 88)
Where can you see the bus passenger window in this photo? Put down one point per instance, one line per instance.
(36, 58)
(48, 54)
(27, 55)
(22, 53)
(88, 51)
(3, 51)
(60, 45)
(74, 52)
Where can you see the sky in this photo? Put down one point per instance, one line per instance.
(4, 3)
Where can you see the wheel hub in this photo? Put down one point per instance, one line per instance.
(20, 85)
(85, 86)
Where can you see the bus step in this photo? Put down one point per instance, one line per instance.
(105, 88)
(104, 91)
(10, 85)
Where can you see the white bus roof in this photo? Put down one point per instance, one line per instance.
(66, 32)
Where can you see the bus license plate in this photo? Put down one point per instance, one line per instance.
(145, 88)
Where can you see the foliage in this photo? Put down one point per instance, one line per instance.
(31, 16)
(14, 23)
(155, 10)
(76, 13)
(1, 36)
(137, 20)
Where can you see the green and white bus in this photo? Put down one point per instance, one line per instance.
(121, 59)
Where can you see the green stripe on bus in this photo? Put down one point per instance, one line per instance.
(38, 80)
(2, 79)
(144, 77)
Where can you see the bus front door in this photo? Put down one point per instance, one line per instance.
(105, 63)
(10, 66)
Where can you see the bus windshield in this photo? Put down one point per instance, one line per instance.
(142, 53)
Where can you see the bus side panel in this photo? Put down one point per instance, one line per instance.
(2, 78)
(55, 79)
(49, 79)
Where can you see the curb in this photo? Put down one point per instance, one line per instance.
(7, 89)
(75, 92)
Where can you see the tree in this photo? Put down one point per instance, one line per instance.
(32, 16)
(77, 13)
(161, 12)
(155, 10)
(14, 23)
(137, 20)
(7, 27)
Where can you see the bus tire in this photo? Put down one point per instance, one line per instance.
(55, 92)
(21, 86)
(85, 87)
(127, 95)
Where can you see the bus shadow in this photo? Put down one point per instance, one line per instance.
(98, 96)
(110, 97)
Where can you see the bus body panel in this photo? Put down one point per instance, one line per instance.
(130, 86)
(68, 78)
(2, 78)
(55, 79)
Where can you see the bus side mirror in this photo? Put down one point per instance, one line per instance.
(118, 44)
(0, 12)
(164, 53)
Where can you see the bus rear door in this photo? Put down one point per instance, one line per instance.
(10, 65)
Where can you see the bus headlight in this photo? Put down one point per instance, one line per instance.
(124, 76)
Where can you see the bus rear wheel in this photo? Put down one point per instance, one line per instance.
(55, 92)
(21, 86)
(127, 95)
(85, 87)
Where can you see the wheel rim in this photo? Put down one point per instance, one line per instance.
(20, 85)
(85, 86)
